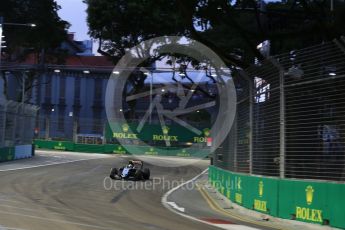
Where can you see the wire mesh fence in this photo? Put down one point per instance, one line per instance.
(62, 128)
(17, 123)
(290, 116)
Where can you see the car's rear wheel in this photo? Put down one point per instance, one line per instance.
(146, 174)
(138, 175)
(113, 173)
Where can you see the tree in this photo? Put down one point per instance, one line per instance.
(233, 29)
(43, 40)
(47, 35)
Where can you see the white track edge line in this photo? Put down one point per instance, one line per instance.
(164, 201)
(42, 165)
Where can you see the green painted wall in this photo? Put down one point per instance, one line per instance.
(57, 145)
(118, 149)
(308, 201)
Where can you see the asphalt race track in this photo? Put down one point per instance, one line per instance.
(77, 195)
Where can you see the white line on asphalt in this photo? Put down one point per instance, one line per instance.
(165, 203)
(37, 210)
(54, 220)
(234, 227)
(175, 206)
(10, 201)
(18, 202)
(6, 228)
(164, 200)
(64, 153)
(42, 165)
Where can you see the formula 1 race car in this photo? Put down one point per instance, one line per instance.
(133, 171)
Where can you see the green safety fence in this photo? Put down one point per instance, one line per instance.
(119, 149)
(307, 201)
(7, 154)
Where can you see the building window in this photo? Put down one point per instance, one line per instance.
(262, 90)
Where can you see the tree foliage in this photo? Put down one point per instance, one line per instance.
(42, 39)
(123, 24)
(233, 29)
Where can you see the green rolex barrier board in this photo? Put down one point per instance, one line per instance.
(307, 201)
(115, 149)
(154, 132)
(119, 149)
(57, 145)
(257, 193)
(314, 202)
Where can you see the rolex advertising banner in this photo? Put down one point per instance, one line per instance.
(119, 149)
(241, 189)
(168, 151)
(257, 193)
(156, 133)
(115, 149)
(263, 195)
(303, 201)
(313, 202)
(56, 145)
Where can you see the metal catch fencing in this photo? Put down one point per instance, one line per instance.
(17, 123)
(65, 128)
(290, 119)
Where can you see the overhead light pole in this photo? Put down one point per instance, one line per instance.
(1, 37)
(2, 23)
